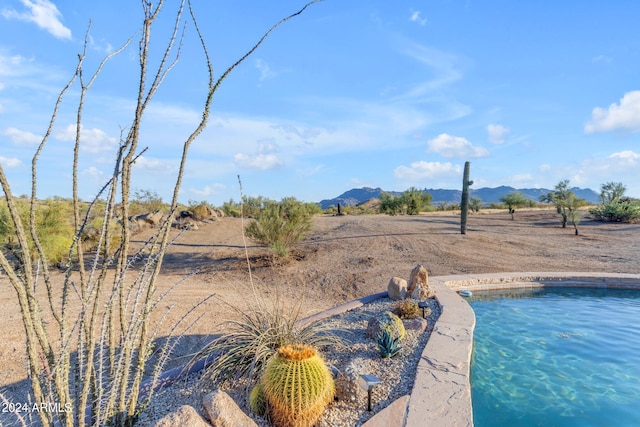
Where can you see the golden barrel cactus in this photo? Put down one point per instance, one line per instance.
(298, 386)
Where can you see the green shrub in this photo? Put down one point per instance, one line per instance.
(53, 223)
(617, 211)
(410, 202)
(407, 309)
(280, 226)
(145, 201)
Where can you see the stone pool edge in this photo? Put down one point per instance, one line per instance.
(442, 389)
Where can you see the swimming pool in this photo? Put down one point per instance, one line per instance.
(556, 357)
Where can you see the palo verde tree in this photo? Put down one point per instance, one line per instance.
(565, 201)
(89, 339)
(514, 200)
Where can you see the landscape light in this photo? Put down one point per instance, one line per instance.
(366, 382)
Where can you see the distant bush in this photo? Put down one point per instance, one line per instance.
(53, 221)
(410, 202)
(475, 204)
(145, 201)
(280, 226)
(615, 207)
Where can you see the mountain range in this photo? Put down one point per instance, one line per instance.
(356, 196)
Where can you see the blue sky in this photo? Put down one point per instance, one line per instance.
(349, 94)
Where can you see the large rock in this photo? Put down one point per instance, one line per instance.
(397, 288)
(418, 324)
(423, 292)
(184, 416)
(153, 218)
(224, 412)
(419, 278)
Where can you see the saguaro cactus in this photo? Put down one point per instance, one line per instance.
(464, 203)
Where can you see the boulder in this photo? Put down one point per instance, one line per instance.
(153, 218)
(418, 324)
(184, 416)
(397, 288)
(418, 278)
(224, 412)
(423, 292)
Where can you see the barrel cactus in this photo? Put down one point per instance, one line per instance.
(257, 400)
(298, 386)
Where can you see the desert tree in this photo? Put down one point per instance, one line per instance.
(89, 340)
(514, 200)
(565, 201)
(614, 206)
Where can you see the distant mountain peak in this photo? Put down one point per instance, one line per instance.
(355, 196)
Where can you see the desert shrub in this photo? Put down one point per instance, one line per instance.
(53, 225)
(92, 233)
(406, 309)
(252, 206)
(232, 209)
(388, 344)
(252, 341)
(627, 210)
(410, 202)
(144, 201)
(614, 206)
(280, 226)
(475, 204)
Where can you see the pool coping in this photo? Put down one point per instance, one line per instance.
(441, 394)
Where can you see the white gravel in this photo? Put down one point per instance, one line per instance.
(359, 356)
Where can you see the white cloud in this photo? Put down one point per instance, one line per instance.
(154, 166)
(265, 70)
(450, 147)
(7, 162)
(444, 66)
(416, 16)
(21, 137)
(259, 162)
(602, 59)
(626, 158)
(93, 172)
(497, 133)
(91, 140)
(209, 190)
(421, 170)
(44, 14)
(623, 116)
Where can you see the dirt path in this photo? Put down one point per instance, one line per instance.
(350, 256)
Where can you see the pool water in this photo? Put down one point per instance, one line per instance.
(556, 357)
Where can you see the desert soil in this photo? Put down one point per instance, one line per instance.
(347, 257)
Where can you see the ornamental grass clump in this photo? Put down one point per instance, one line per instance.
(298, 386)
(250, 342)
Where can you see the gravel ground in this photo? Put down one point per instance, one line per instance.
(358, 356)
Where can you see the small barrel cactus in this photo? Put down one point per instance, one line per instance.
(257, 400)
(298, 386)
